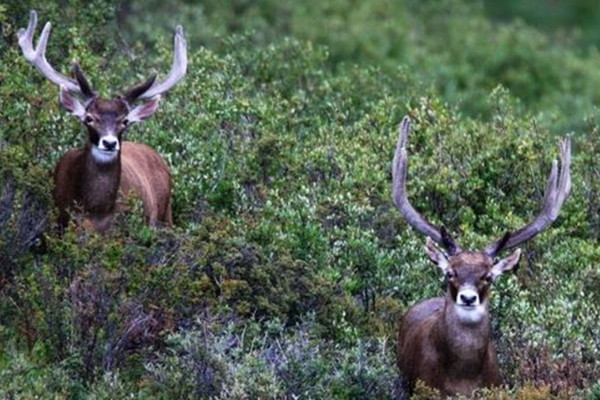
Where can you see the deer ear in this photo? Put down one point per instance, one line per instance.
(71, 103)
(506, 264)
(436, 255)
(144, 110)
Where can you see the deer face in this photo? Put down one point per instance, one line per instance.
(469, 276)
(106, 120)
(469, 273)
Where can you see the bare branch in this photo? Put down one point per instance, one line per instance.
(558, 188)
(178, 68)
(134, 93)
(37, 57)
(412, 216)
(84, 85)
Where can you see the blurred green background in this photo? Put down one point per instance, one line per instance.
(288, 266)
(577, 18)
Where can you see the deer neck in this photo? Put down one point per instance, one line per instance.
(464, 343)
(100, 184)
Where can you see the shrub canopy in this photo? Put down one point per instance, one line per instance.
(289, 266)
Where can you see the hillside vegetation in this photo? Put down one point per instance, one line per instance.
(288, 266)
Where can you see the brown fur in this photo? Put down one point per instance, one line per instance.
(144, 172)
(91, 188)
(88, 180)
(435, 347)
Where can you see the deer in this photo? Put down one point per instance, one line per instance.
(89, 180)
(445, 341)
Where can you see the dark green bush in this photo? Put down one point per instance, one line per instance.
(224, 359)
(280, 141)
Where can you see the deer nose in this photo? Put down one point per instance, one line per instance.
(109, 144)
(468, 299)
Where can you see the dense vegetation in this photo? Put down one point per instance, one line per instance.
(289, 266)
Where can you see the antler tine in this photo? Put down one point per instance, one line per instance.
(37, 57)
(412, 216)
(178, 68)
(558, 187)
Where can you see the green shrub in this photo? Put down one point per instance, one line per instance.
(594, 392)
(280, 141)
(226, 359)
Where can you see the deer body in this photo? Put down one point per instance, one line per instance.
(81, 182)
(437, 348)
(90, 179)
(445, 341)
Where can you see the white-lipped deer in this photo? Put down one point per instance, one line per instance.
(90, 178)
(445, 341)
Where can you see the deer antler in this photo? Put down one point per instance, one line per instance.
(412, 216)
(38, 56)
(178, 68)
(557, 191)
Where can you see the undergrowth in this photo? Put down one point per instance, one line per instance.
(288, 266)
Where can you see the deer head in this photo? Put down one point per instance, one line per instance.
(455, 261)
(469, 276)
(89, 179)
(105, 120)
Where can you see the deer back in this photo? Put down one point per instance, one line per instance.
(144, 172)
(415, 337)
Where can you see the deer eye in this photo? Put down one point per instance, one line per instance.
(88, 119)
(488, 278)
(450, 274)
(125, 122)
